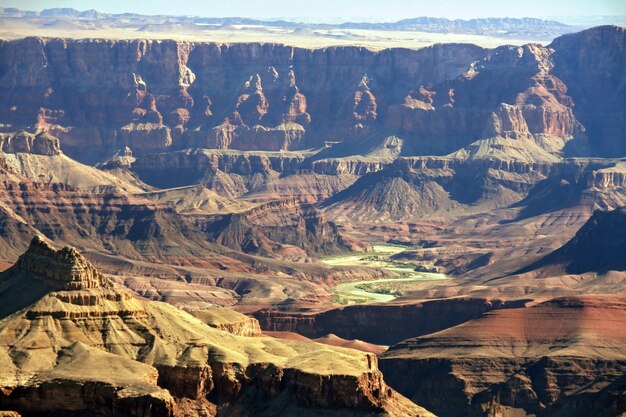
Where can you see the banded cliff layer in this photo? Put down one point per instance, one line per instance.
(248, 96)
(160, 95)
(460, 151)
(113, 354)
(547, 356)
(559, 357)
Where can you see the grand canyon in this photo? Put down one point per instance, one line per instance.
(193, 227)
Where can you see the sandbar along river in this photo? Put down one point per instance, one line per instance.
(379, 258)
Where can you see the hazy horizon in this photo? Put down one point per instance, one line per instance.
(336, 11)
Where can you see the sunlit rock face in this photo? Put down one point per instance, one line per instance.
(92, 347)
(23, 142)
(65, 269)
(160, 95)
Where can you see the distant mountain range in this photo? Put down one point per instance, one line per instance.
(531, 28)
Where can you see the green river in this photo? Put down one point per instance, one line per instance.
(380, 290)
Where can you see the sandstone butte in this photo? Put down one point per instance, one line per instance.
(71, 341)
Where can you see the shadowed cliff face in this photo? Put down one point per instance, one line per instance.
(365, 322)
(599, 246)
(596, 79)
(159, 95)
(546, 359)
(303, 228)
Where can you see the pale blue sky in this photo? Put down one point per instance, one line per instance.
(345, 9)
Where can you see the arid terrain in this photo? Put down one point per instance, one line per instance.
(407, 33)
(357, 221)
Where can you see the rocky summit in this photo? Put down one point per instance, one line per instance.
(65, 269)
(235, 217)
(116, 354)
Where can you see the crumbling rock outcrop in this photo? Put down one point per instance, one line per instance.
(229, 320)
(110, 353)
(23, 142)
(65, 269)
(346, 166)
(608, 177)
(145, 136)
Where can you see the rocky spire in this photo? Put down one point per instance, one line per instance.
(64, 269)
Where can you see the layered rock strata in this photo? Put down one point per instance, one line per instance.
(69, 341)
(541, 359)
(162, 95)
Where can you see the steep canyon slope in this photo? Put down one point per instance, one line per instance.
(115, 354)
(257, 157)
(213, 174)
(160, 95)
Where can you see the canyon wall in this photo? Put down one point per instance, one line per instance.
(152, 95)
(545, 359)
(162, 95)
(364, 322)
